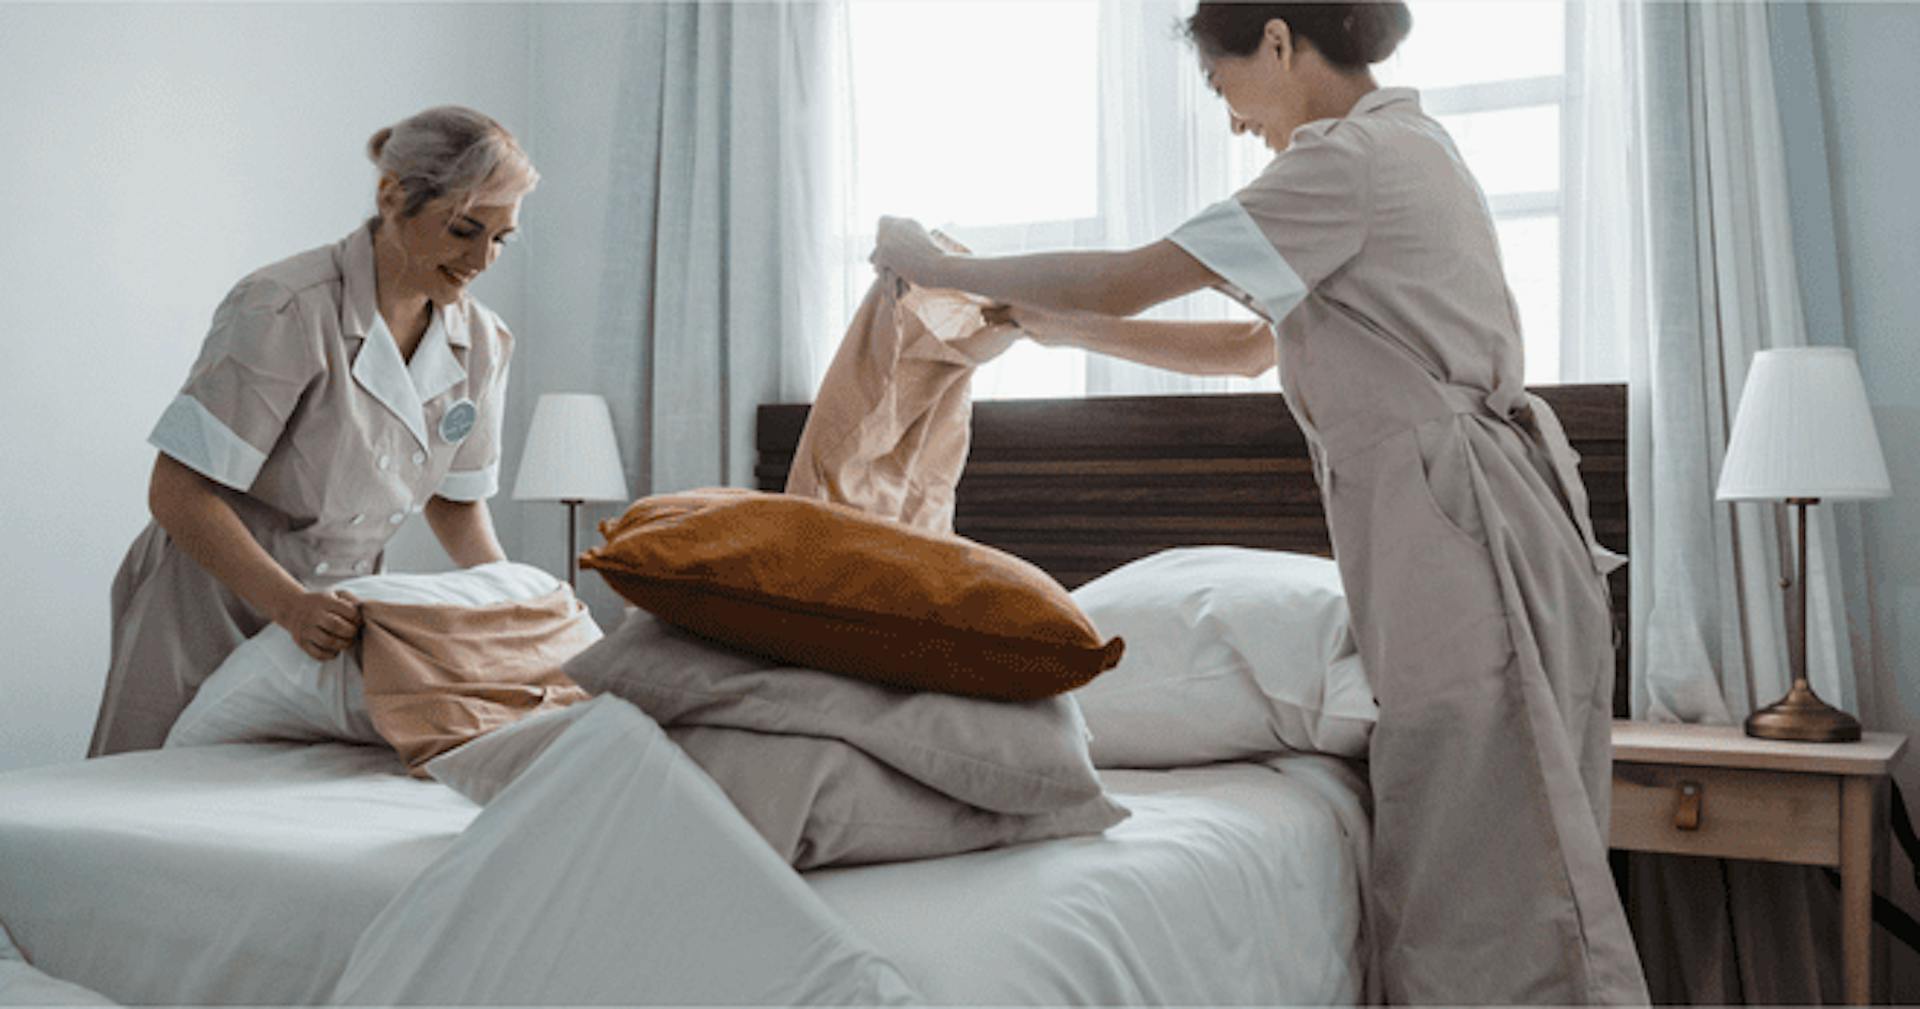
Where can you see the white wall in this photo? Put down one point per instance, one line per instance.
(152, 155)
(1865, 57)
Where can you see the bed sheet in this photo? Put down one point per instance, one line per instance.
(244, 874)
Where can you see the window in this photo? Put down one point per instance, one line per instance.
(1493, 72)
(1043, 124)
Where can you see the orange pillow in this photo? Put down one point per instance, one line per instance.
(829, 587)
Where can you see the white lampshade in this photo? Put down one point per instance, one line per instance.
(571, 454)
(1804, 431)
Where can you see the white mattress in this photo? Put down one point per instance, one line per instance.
(245, 873)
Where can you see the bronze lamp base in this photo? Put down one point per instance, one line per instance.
(1803, 717)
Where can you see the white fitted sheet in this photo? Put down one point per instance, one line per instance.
(245, 873)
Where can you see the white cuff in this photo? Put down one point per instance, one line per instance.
(1225, 238)
(470, 484)
(196, 439)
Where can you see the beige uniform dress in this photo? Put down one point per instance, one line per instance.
(1460, 526)
(322, 439)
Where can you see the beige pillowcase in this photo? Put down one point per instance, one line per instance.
(1024, 757)
(888, 430)
(437, 676)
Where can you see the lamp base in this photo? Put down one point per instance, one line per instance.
(1802, 716)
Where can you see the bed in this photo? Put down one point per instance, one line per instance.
(250, 873)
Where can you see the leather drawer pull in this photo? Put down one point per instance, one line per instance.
(1686, 816)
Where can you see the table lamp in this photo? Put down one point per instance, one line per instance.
(1803, 434)
(571, 457)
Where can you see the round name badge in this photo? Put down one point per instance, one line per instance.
(457, 422)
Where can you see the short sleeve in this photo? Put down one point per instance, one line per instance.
(1290, 228)
(258, 360)
(475, 473)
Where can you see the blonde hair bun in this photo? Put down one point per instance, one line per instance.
(452, 151)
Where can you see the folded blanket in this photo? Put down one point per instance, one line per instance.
(437, 676)
(889, 429)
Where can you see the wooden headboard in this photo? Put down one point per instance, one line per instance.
(1082, 486)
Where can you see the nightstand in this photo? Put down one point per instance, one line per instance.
(1712, 790)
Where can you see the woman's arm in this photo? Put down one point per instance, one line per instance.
(1193, 348)
(189, 507)
(1100, 283)
(465, 530)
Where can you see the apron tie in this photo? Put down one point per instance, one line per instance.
(1534, 420)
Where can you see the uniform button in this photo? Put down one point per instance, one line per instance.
(320, 568)
(362, 567)
(356, 520)
(386, 462)
(419, 457)
(397, 517)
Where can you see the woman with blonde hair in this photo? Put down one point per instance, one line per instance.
(338, 392)
(1478, 592)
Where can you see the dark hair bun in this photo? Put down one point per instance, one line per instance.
(1375, 30)
(1351, 36)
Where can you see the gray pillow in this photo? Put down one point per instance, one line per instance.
(821, 802)
(1026, 757)
(818, 802)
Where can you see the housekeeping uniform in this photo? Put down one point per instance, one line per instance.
(322, 439)
(1461, 529)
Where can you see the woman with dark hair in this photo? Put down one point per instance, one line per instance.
(1459, 522)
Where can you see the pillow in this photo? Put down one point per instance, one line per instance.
(1025, 757)
(269, 689)
(824, 586)
(819, 802)
(1231, 653)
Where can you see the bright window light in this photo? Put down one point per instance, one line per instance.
(1457, 42)
(1003, 129)
(984, 115)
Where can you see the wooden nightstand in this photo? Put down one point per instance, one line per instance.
(1712, 790)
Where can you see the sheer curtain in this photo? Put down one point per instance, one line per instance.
(1094, 128)
(711, 297)
(1686, 244)
(1089, 126)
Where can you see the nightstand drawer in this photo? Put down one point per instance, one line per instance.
(1722, 813)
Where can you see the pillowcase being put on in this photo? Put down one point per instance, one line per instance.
(438, 676)
(1232, 653)
(269, 689)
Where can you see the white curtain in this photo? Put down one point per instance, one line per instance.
(1685, 241)
(715, 273)
(1162, 153)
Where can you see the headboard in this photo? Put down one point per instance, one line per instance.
(1082, 486)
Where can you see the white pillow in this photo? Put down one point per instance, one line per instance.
(270, 689)
(1232, 653)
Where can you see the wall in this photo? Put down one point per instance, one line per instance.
(576, 50)
(153, 155)
(1864, 57)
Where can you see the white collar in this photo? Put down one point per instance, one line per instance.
(1380, 98)
(404, 388)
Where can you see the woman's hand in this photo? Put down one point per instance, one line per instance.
(904, 247)
(322, 623)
